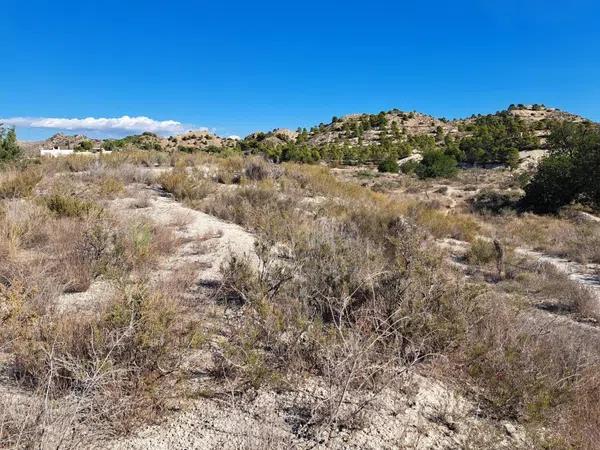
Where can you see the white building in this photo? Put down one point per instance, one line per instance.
(56, 152)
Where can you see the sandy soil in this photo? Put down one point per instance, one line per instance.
(207, 242)
(426, 415)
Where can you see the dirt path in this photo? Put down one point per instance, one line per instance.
(207, 242)
(586, 275)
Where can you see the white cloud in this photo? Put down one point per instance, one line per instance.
(233, 136)
(113, 125)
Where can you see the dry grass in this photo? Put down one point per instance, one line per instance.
(69, 206)
(552, 235)
(103, 371)
(346, 269)
(552, 289)
(347, 290)
(528, 370)
(19, 183)
(184, 186)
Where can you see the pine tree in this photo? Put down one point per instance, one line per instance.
(9, 148)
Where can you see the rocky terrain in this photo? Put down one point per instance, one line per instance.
(395, 125)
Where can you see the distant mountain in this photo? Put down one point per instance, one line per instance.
(352, 129)
(189, 141)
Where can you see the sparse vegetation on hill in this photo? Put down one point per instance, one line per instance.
(145, 141)
(496, 139)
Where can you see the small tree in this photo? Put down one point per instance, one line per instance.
(436, 163)
(570, 172)
(9, 148)
(552, 186)
(84, 146)
(388, 165)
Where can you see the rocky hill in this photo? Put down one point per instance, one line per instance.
(351, 130)
(368, 129)
(189, 141)
(59, 140)
(198, 139)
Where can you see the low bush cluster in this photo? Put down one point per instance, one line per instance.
(494, 202)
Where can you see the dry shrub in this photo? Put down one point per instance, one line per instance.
(110, 186)
(578, 422)
(230, 169)
(182, 159)
(481, 251)
(184, 186)
(351, 308)
(145, 158)
(22, 225)
(440, 225)
(488, 201)
(319, 180)
(80, 251)
(76, 246)
(70, 206)
(110, 178)
(77, 163)
(257, 169)
(527, 369)
(139, 245)
(142, 201)
(113, 363)
(356, 300)
(129, 173)
(548, 282)
(258, 207)
(19, 183)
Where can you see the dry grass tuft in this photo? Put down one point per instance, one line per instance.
(185, 186)
(69, 206)
(19, 183)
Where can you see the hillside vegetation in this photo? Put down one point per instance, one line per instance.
(238, 296)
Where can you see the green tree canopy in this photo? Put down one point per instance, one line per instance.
(570, 172)
(9, 148)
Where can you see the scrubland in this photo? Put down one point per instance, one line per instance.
(359, 287)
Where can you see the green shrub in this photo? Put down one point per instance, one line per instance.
(84, 146)
(436, 163)
(488, 201)
(409, 166)
(571, 171)
(552, 186)
(388, 165)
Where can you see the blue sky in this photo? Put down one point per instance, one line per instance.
(236, 67)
